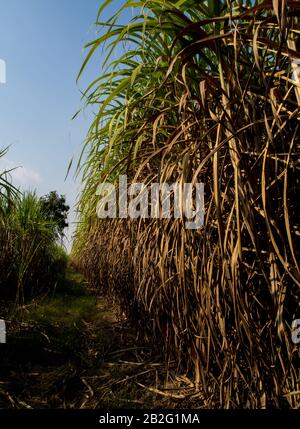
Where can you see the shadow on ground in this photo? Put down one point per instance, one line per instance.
(68, 350)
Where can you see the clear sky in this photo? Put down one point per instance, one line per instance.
(42, 42)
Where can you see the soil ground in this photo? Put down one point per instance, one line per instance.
(67, 349)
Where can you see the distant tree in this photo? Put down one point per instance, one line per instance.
(56, 210)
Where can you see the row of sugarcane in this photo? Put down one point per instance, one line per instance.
(202, 92)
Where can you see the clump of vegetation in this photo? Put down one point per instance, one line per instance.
(205, 91)
(31, 259)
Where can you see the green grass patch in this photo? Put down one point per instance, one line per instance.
(51, 328)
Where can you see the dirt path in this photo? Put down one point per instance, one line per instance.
(68, 350)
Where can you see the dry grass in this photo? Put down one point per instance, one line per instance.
(72, 351)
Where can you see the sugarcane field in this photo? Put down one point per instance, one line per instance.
(149, 210)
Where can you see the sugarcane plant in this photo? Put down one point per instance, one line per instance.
(31, 259)
(202, 91)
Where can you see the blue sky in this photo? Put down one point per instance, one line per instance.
(42, 42)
